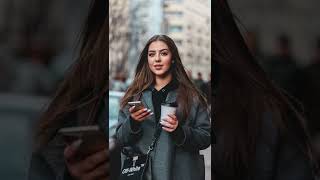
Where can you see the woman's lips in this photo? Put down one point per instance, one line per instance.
(158, 67)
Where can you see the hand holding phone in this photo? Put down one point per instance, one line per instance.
(91, 137)
(138, 111)
(93, 166)
(137, 105)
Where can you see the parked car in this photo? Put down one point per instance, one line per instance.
(114, 106)
(115, 151)
(19, 115)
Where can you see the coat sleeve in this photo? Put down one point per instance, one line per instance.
(125, 134)
(292, 163)
(279, 157)
(195, 136)
(266, 150)
(39, 169)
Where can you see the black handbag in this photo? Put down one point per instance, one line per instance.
(137, 165)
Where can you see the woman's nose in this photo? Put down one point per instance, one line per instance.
(157, 58)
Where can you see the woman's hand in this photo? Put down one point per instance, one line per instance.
(92, 167)
(170, 123)
(140, 115)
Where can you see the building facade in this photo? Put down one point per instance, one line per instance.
(119, 36)
(188, 22)
(145, 21)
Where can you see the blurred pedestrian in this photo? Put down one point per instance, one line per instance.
(206, 89)
(199, 81)
(253, 43)
(260, 132)
(119, 82)
(8, 64)
(160, 78)
(282, 67)
(33, 76)
(79, 100)
(310, 96)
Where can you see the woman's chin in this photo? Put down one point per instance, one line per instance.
(162, 74)
(159, 73)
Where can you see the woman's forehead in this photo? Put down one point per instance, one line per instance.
(158, 45)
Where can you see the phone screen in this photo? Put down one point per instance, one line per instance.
(92, 138)
(138, 105)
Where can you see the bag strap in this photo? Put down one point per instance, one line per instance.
(156, 133)
(155, 138)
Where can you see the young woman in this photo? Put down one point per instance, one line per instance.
(80, 100)
(260, 132)
(161, 78)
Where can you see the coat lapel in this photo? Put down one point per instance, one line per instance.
(147, 99)
(171, 97)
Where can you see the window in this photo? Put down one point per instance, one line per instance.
(175, 28)
(179, 1)
(174, 14)
(199, 42)
(178, 42)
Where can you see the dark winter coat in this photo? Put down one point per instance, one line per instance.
(170, 161)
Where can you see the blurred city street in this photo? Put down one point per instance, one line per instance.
(38, 40)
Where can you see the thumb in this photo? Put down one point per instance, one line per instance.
(71, 150)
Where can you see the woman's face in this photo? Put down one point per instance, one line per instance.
(159, 58)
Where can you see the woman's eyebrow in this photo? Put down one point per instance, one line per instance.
(164, 50)
(159, 50)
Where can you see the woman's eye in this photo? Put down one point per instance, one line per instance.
(151, 55)
(164, 54)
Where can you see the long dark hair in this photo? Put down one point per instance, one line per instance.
(244, 94)
(187, 92)
(86, 81)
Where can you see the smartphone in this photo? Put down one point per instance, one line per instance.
(138, 105)
(93, 139)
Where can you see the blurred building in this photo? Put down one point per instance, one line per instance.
(55, 20)
(188, 22)
(119, 36)
(145, 21)
(299, 19)
(52, 26)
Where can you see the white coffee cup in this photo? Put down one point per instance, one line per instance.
(167, 108)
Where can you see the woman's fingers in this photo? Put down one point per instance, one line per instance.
(131, 109)
(171, 119)
(87, 165)
(167, 129)
(92, 161)
(71, 150)
(144, 114)
(169, 123)
(141, 114)
(99, 172)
